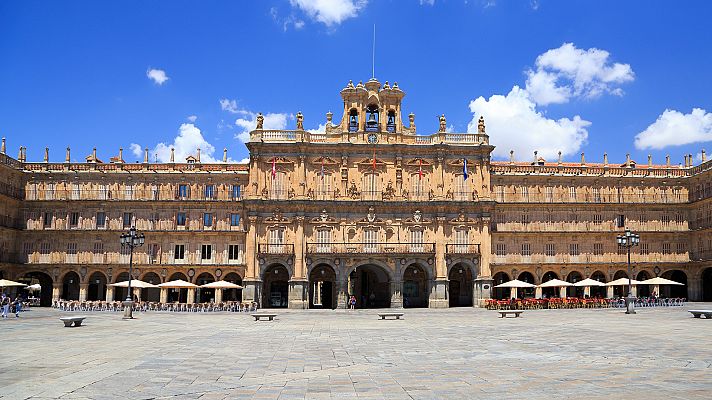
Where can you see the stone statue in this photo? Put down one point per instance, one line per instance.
(431, 194)
(337, 193)
(389, 192)
(300, 121)
(353, 191)
(443, 123)
(265, 193)
(310, 194)
(405, 193)
(411, 120)
(290, 193)
(481, 125)
(260, 120)
(449, 194)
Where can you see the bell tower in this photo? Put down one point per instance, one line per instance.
(372, 107)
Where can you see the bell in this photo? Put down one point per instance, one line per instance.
(372, 118)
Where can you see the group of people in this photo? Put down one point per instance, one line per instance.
(6, 301)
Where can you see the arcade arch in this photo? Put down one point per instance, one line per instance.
(500, 293)
(70, 286)
(322, 287)
(415, 287)
(275, 289)
(460, 285)
(371, 285)
(97, 287)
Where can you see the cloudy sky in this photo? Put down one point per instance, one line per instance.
(593, 77)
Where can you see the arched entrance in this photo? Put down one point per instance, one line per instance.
(322, 287)
(549, 292)
(97, 287)
(643, 290)
(674, 290)
(371, 285)
(574, 291)
(707, 284)
(598, 291)
(415, 287)
(500, 293)
(45, 282)
(204, 295)
(620, 290)
(526, 292)
(151, 294)
(233, 294)
(178, 295)
(275, 290)
(70, 286)
(460, 286)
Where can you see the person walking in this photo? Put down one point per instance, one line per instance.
(5, 303)
(352, 302)
(18, 306)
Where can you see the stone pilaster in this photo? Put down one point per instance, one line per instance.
(83, 287)
(56, 291)
(396, 294)
(482, 291)
(342, 294)
(110, 293)
(298, 294)
(439, 294)
(191, 296)
(252, 291)
(163, 296)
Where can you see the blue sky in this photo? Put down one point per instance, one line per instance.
(547, 75)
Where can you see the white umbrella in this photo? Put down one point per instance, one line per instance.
(589, 282)
(555, 283)
(6, 283)
(221, 285)
(178, 284)
(622, 282)
(34, 288)
(659, 281)
(135, 283)
(515, 283)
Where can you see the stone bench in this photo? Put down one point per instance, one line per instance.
(263, 315)
(68, 321)
(396, 315)
(504, 313)
(699, 313)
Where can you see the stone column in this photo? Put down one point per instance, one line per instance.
(484, 282)
(298, 294)
(513, 292)
(609, 292)
(56, 291)
(83, 291)
(109, 293)
(164, 295)
(299, 272)
(191, 296)
(634, 290)
(439, 290)
(396, 293)
(562, 292)
(218, 295)
(342, 297)
(537, 293)
(251, 282)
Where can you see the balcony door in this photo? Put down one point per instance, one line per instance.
(370, 240)
(276, 241)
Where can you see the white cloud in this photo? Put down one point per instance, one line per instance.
(568, 71)
(427, 2)
(673, 128)
(229, 106)
(271, 121)
(330, 12)
(136, 150)
(192, 118)
(245, 160)
(189, 139)
(515, 124)
(320, 129)
(158, 76)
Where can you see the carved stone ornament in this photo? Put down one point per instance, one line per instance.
(371, 216)
(324, 216)
(417, 216)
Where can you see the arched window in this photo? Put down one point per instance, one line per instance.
(372, 118)
(391, 123)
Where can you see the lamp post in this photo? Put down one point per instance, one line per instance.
(629, 239)
(130, 239)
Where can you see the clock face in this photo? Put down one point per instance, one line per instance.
(372, 138)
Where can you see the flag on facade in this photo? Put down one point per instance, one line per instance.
(274, 167)
(420, 168)
(464, 169)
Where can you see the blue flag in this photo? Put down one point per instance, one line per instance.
(464, 169)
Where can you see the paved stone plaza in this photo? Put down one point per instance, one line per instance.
(432, 354)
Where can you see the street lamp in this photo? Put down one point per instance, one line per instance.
(130, 239)
(629, 239)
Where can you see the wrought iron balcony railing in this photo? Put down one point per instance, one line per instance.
(467, 248)
(376, 247)
(269, 248)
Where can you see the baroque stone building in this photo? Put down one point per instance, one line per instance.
(368, 208)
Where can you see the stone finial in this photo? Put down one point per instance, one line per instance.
(19, 154)
(650, 160)
(691, 160)
(145, 155)
(2, 146)
(443, 123)
(173, 154)
(704, 155)
(46, 155)
(667, 160)
(300, 121)
(121, 154)
(627, 159)
(67, 158)
(481, 125)
(93, 154)
(411, 120)
(560, 159)
(511, 156)
(225, 154)
(684, 164)
(197, 157)
(583, 159)
(329, 116)
(536, 159)
(260, 121)
(605, 158)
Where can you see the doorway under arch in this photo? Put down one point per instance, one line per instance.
(528, 278)
(322, 287)
(620, 290)
(45, 282)
(371, 285)
(178, 295)
(707, 284)
(233, 294)
(415, 287)
(574, 291)
(204, 295)
(151, 294)
(500, 293)
(460, 284)
(643, 290)
(70, 286)
(549, 291)
(275, 290)
(97, 287)
(674, 290)
(598, 291)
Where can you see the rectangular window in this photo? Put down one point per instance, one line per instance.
(323, 240)
(183, 191)
(236, 192)
(371, 187)
(680, 247)
(76, 191)
(501, 249)
(666, 248)
(462, 240)
(525, 193)
(276, 241)
(323, 187)
(620, 221)
(100, 220)
(279, 186)
(49, 195)
(47, 219)
(416, 241)
(234, 219)
(572, 193)
(418, 191)
(679, 219)
(370, 244)
(129, 192)
(207, 220)
(598, 249)
(45, 248)
(71, 248)
(462, 188)
(550, 249)
(644, 248)
(524, 217)
(573, 249)
(549, 218)
(206, 252)
(597, 219)
(180, 219)
(103, 192)
(596, 195)
(209, 192)
(526, 249)
(73, 219)
(234, 252)
(128, 219)
(665, 219)
(179, 253)
(28, 248)
(549, 194)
